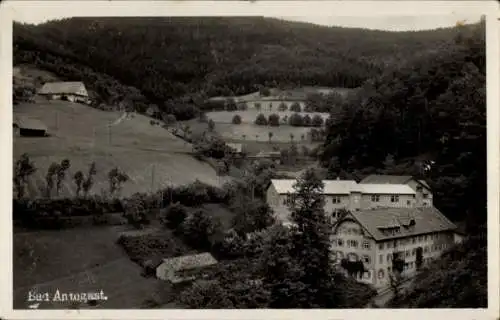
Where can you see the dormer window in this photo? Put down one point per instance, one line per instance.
(395, 198)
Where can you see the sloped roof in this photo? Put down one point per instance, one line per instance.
(427, 220)
(24, 122)
(190, 261)
(372, 188)
(64, 87)
(391, 179)
(284, 186)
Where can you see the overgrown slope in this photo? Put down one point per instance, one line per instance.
(166, 58)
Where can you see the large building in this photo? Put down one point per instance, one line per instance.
(349, 195)
(70, 91)
(389, 218)
(378, 237)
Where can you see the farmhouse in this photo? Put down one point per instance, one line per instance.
(390, 240)
(29, 127)
(71, 91)
(344, 194)
(184, 268)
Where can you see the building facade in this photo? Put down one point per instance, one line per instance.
(379, 237)
(70, 91)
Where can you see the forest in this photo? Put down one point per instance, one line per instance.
(428, 119)
(181, 61)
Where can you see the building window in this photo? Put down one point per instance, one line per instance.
(426, 249)
(408, 202)
(407, 253)
(425, 196)
(375, 198)
(413, 252)
(413, 240)
(352, 243)
(340, 242)
(380, 259)
(366, 259)
(389, 245)
(381, 273)
(389, 257)
(366, 245)
(420, 238)
(394, 198)
(336, 199)
(426, 237)
(381, 246)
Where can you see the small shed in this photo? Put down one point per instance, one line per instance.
(29, 127)
(185, 268)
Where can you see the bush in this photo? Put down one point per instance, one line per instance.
(231, 105)
(295, 107)
(274, 120)
(282, 107)
(306, 121)
(236, 119)
(173, 216)
(199, 229)
(261, 120)
(317, 121)
(295, 120)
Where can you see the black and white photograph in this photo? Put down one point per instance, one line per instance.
(259, 161)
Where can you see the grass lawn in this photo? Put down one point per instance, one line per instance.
(79, 260)
(150, 155)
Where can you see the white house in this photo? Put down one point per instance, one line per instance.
(184, 268)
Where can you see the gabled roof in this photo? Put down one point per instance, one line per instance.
(372, 188)
(427, 220)
(23, 122)
(284, 186)
(64, 88)
(391, 179)
(189, 261)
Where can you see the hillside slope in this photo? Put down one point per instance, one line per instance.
(166, 58)
(150, 155)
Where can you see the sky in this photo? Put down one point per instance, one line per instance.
(27, 14)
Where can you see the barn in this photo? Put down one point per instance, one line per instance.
(70, 91)
(29, 127)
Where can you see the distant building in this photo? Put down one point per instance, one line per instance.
(344, 194)
(379, 237)
(184, 268)
(236, 148)
(70, 91)
(29, 127)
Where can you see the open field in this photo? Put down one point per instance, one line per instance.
(78, 260)
(150, 155)
(252, 132)
(248, 116)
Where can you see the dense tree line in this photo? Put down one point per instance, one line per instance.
(181, 61)
(428, 118)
